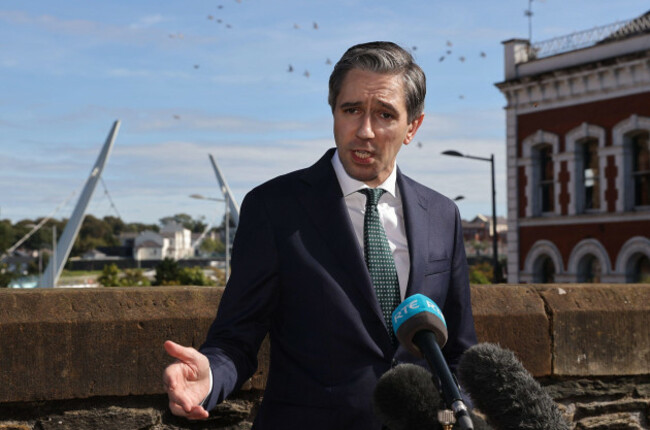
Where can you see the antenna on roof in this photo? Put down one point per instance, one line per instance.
(529, 13)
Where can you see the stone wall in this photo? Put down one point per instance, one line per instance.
(93, 358)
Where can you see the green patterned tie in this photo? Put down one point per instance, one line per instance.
(379, 258)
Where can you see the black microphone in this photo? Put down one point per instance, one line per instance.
(505, 392)
(406, 398)
(421, 328)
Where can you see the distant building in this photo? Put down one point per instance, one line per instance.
(477, 235)
(578, 156)
(174, 241)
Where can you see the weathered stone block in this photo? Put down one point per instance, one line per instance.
(514, 317)
(112, 418)
(79, 343)
(600, 329)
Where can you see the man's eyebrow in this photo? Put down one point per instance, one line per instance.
(388, 106)
(346, 105)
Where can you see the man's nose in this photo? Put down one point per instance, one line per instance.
(365, 131)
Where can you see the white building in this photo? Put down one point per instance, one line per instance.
(174, 241)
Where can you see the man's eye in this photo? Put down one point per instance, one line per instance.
(386, 115)
(351, 110)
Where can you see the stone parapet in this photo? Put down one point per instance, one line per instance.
(67, 345)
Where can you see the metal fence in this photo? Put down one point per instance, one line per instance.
(582, 39)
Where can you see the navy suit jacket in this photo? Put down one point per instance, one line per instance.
(299, 275)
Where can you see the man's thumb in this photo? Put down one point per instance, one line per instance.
(180, 352)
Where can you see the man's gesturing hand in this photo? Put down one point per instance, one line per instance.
(187, 381)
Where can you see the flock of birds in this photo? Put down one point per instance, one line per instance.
(315, 26)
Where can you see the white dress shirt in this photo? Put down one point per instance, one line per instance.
(391, 214)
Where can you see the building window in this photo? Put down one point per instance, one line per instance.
(544, 270)
(590, 174)
(589, 270)
(546, 187)
(641, 169)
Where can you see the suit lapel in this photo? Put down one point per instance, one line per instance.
(321, 195)
(416, 222)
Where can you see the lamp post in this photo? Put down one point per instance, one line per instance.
(495, 256)
(227, 221)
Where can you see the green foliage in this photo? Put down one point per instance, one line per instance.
(211, 246)
(193, 276)
(6, 276)
(167, 273)
(195, 226)
(480, 273)
(110, 276)
(135, 278)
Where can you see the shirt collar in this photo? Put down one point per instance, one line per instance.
(350, 185)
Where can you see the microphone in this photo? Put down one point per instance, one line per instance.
(406, 398)
(505, 392)
(420, 326)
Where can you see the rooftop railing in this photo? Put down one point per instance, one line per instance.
(582, 39)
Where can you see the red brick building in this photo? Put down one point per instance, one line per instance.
(578, 156)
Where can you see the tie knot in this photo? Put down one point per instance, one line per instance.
(372, 195)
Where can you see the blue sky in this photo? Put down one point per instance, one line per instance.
(193, 78)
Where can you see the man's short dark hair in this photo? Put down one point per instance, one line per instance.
(382, 57)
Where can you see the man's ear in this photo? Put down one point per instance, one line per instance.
(412, 129)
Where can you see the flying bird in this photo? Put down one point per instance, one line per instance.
(483, 54)
(315, 26)
(177, 117)
(462, 59)
(328, 61)
(306, 74)
(449, 43)
(290, 68)
(196, 66)
(296, 26)
(441, 59)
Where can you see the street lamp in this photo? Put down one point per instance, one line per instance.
(227, 217)
(495, 256)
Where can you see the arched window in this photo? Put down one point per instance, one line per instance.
(630, 149)
(541, 163)
(641, 168)
(589, 270)
(638, 270)
(545, 182)
(586, 155)
(544, 270)
(590, 173)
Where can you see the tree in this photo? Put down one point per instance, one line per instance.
(135, 278)
(211, 246)
(5, 276)
(480, 273)
(167, 273)
(193, 276)
(110, 276)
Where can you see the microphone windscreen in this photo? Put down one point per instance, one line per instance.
(506, 392)
(406, 398)
(417, 313)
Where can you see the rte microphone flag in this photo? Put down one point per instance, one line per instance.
(421, 328)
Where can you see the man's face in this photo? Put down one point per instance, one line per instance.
(371, 124)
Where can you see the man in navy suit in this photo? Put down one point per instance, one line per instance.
(298, 270)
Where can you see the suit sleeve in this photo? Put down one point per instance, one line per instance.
(249, 299)
(458, 306)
